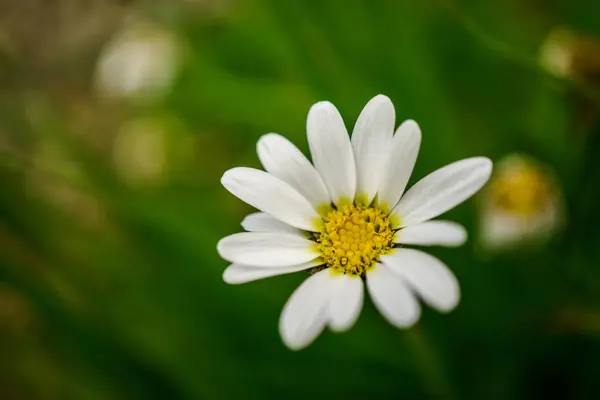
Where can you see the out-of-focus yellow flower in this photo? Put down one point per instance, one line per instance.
(148, 151)
(139, 151)
(521, 204)
(139, 63)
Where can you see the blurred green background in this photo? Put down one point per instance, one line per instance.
(118, 118)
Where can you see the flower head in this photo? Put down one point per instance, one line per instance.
(522, 204)
(346, 220)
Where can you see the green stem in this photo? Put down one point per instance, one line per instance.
(430, 367)
(523, 59)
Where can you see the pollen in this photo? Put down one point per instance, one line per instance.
(353, 237)
(522, 191)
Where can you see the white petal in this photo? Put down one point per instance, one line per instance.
(433, 233)
(402, 155)
(271, 195)
(442, 190)
(429, 277)
(305, 313)
(261, 222)
(236, 273)
(282, 159)
(392, 297)
(371, 139)
(331, 151)
(346, 302)
(500, 228)
(266, 249)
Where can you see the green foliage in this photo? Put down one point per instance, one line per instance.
(111, 288)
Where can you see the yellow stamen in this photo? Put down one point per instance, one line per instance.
(352, 238)
(522, 191)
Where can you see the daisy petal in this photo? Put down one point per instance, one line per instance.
(345, 303)
(429, 277)
(399, 164)
(236, 273)
(442, 190)
(433, 233)
(305, 314)
(283, 160)
(271, 195)
(392, 297)
(372, 137)
(331, 151)
(266, 249)
(261, 222)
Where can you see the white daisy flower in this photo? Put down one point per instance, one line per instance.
(346, 219)
(523, 204)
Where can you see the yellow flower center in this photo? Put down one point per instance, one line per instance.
(353, 237)
(523, 192)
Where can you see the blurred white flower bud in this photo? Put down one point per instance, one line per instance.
(569, 54)
(557, 53)
(139, 63)
(139, 151)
